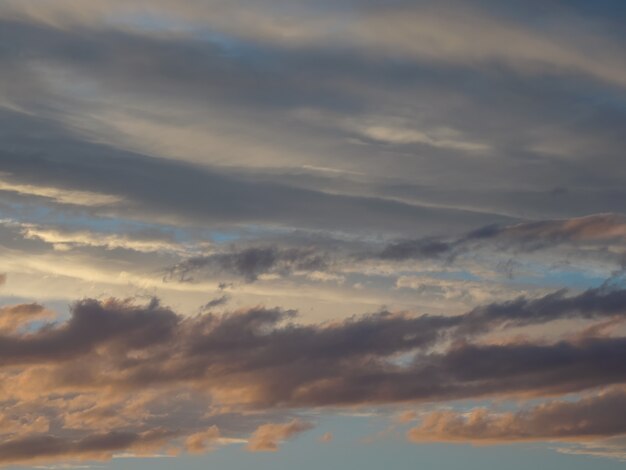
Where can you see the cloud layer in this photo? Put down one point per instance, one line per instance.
(117, 355)
(223, 221)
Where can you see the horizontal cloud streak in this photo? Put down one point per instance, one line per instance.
(252, 262)
(597, 230)
(590, 418)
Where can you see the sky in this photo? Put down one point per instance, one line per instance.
(345, 234)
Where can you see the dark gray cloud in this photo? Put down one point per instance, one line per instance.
(586, 238)
(599, 229)
(92, 326)
(598, 232)
(216, 302)
(96, 446)
(590, 304)
(249, 263)
(348, 362)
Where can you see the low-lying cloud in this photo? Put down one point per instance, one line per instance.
(130, 365)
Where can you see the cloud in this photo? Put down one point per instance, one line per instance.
(594, 417)
(249, 263)
(458, 158)
(597, 228)
(69, 239)
(117, 371)
(93, 447)
(268, 436)
(590, 304)
(91, 325)
(14, 317)
(211, 195)
(612, 448)
(594, 231)
(444, 138)
(122, 61)
(348, 361)
(200, 442)
(222, 300)
(326, 437)
(425, 32)
(61, 195)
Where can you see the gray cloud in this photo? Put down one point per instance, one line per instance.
(216, 302)
(95, 446)
(347, 362)
(249, 263)
(208, 196)
(91, 327)
(597, 232)
(590, 304)
(154, 363)
(113, 55)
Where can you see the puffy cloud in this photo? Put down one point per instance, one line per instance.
(116, 371)
(267, 437)
(200, 442)
(348, 362)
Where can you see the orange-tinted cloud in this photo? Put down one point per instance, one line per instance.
(13, 317)
(200, 442)
(267, 437)
(119, 367)
(594, 417)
